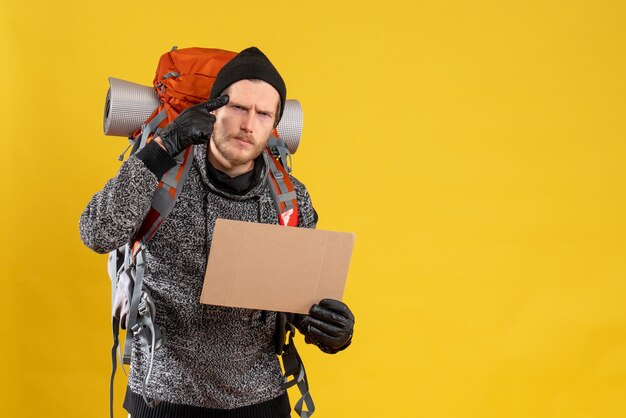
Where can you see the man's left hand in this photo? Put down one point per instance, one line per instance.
(329, 325)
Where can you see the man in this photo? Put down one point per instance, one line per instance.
(214, 361)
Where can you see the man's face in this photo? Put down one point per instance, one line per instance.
(243, 126)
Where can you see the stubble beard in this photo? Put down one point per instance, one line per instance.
(229, 151)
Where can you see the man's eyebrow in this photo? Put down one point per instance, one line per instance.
(269, 112)
(235, 103)
(258, 109)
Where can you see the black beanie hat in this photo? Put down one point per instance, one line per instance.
(250, 64)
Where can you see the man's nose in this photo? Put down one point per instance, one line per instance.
(247, 121)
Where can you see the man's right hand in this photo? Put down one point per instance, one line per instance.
(193, 126)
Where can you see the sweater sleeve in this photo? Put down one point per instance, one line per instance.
(115, 213)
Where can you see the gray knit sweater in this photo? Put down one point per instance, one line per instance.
(212, 356)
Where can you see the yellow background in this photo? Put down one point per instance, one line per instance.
(475, 147)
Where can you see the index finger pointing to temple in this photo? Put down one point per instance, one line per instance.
(216, 103)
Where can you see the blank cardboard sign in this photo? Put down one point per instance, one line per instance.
(275, 268)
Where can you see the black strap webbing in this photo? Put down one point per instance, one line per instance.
(294, 369)
(116, 328)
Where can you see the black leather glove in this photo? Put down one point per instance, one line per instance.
(193, 126)
(329, 325)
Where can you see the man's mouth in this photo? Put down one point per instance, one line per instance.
(243, 141)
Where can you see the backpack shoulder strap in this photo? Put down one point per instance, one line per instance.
(294, 370)
(165, 196)
(281, 187)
